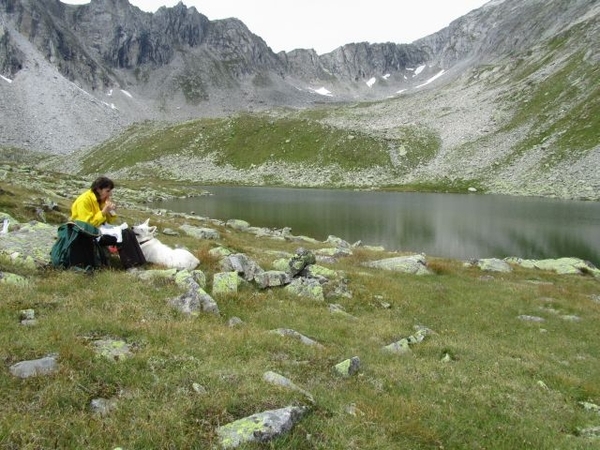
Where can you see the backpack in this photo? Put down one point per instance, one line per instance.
(77, 246)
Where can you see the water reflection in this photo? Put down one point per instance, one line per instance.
(456, 226)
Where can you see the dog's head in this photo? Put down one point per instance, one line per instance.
(144, 232)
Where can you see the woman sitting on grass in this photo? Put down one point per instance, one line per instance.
(95, 207)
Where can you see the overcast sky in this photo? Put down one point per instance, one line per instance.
(324, 25)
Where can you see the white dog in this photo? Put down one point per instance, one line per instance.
(158, 253)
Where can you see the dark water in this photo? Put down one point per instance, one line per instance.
(446, 225)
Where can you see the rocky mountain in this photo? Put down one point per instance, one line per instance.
(508, 88)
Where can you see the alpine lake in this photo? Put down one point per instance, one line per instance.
(457, 226)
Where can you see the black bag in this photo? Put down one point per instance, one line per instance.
(130, 251)
(77, 246)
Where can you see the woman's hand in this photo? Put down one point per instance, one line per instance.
(109, 208)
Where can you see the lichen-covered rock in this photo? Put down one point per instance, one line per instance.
(348, 367)
(562, 266)
(30, 245)
(225, 283)
(154, 274)
(13, 279)
(334, 252)
(306, 287)
(494, 265)
(300, 260)
(219, 252)
(112, 349)
(317, 271)
(195, 301)
(412, 264)
(272, 278)
(591, 432)
(242, 264)
(237, 224)
(260, 427)
(400, 347)
(200, 233)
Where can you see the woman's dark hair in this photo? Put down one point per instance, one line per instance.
(102, 183)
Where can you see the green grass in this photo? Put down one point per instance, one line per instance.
(488, 396)
(561, 109)
(249, 140)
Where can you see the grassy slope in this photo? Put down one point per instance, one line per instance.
(488, 396)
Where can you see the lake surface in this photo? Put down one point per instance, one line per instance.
(446, 225)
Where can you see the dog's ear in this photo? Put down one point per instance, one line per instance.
(147, 222)
(152, 229)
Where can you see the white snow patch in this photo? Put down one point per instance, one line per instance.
(110, 105)
(439, 74)
(400, 91)
(8, 80)
(419, 69)
(126, 93)
(110, 93)
(371, 82)
(322, 91)
(386, 76)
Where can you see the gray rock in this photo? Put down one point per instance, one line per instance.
(112, 349)
(35, 367)
(528, 318)
(260, 427)
(412, 264)
(195, 301)
(103, 406)
(272, 278)
(235, 322)
(280, 380)
(225, 283)
(300, 260)
(562, 266)
(494, 265)
(242, 264)
(238, 224)
(348, 367)
(306, 287)
(200, 233)
(288, 332)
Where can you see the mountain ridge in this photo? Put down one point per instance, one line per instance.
(504, 87)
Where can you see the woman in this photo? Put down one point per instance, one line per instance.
(95, 207)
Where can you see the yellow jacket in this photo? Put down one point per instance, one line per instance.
(87, 209)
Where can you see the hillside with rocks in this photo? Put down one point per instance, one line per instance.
(510, 90)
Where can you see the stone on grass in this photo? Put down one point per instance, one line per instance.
(35, 367)
(348, 367)
(260, 427)
(200, 233)
(112, 349)
(280, 380)
(306, 287)
(225, 283)
(412, 264)
(494, 265)
(272, 278)
(287, 332)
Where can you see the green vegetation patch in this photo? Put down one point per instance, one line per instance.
(563, 109)
(242, 141)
